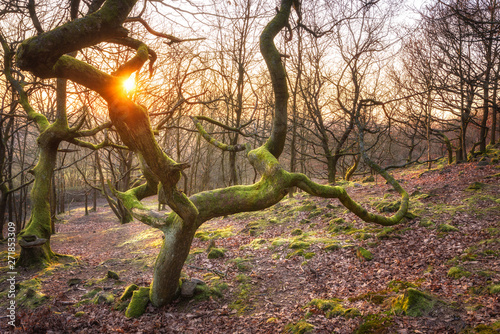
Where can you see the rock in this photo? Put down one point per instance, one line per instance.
(198, 281)
(187, 289)
(74, 281)
(103, 298)
(413, 303)
(357, 185)
(112, 274)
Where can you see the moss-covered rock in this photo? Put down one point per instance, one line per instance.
(112, 275)
(457, 272)
(426, 223)
(138, 303)
(74, 281)
(387, 206)
(413, 303)
(374, 323)
(216, 253)
(299, 244)
(447, 228)
(299, 327)
(332, 246)
(205, 291)
(129, 290)
(103, 298)
(364, 254)
(333, 308)
(296, 231)
(91, 294)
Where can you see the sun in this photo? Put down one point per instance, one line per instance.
(129, 84)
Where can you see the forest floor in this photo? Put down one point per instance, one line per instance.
(304, 265)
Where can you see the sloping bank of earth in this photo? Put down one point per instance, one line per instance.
(304, 265)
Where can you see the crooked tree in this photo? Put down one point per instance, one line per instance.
(46, 56)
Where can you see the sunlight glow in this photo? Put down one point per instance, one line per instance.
(129, 84)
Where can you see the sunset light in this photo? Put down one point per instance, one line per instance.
(129, 84)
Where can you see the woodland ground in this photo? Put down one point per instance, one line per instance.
(292, 267)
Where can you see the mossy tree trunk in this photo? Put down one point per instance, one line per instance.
(34, 239)
(133, 125)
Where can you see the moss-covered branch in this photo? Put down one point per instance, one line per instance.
(40, 53)
(39, 119)
(272, 56)
(215, 142)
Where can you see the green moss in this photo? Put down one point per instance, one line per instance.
(494, 289)
(298, 252)
(426, 223)
(205, 291)
(398, 285)
(138, 303)
(306, 208)
(364, 254)
(216, 253)
(129, 290)
(493, 231)
(255, 244)
(314, 213)
(387, 206)
(242, 264)
(375, 323)
(476, 186)
(296, 231)
(338, 225)
(29, 294)
(92, 293)
(79, 314)
(387, 233)
(206, 235)
(376, 298)
(332, 246)
(299, 244)
(299, 327)
(242, 302)
(456, 273)
(333, 307)
(151, 233)
(488, 329)
(413, 303)
(447, 228)
(309, 255)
